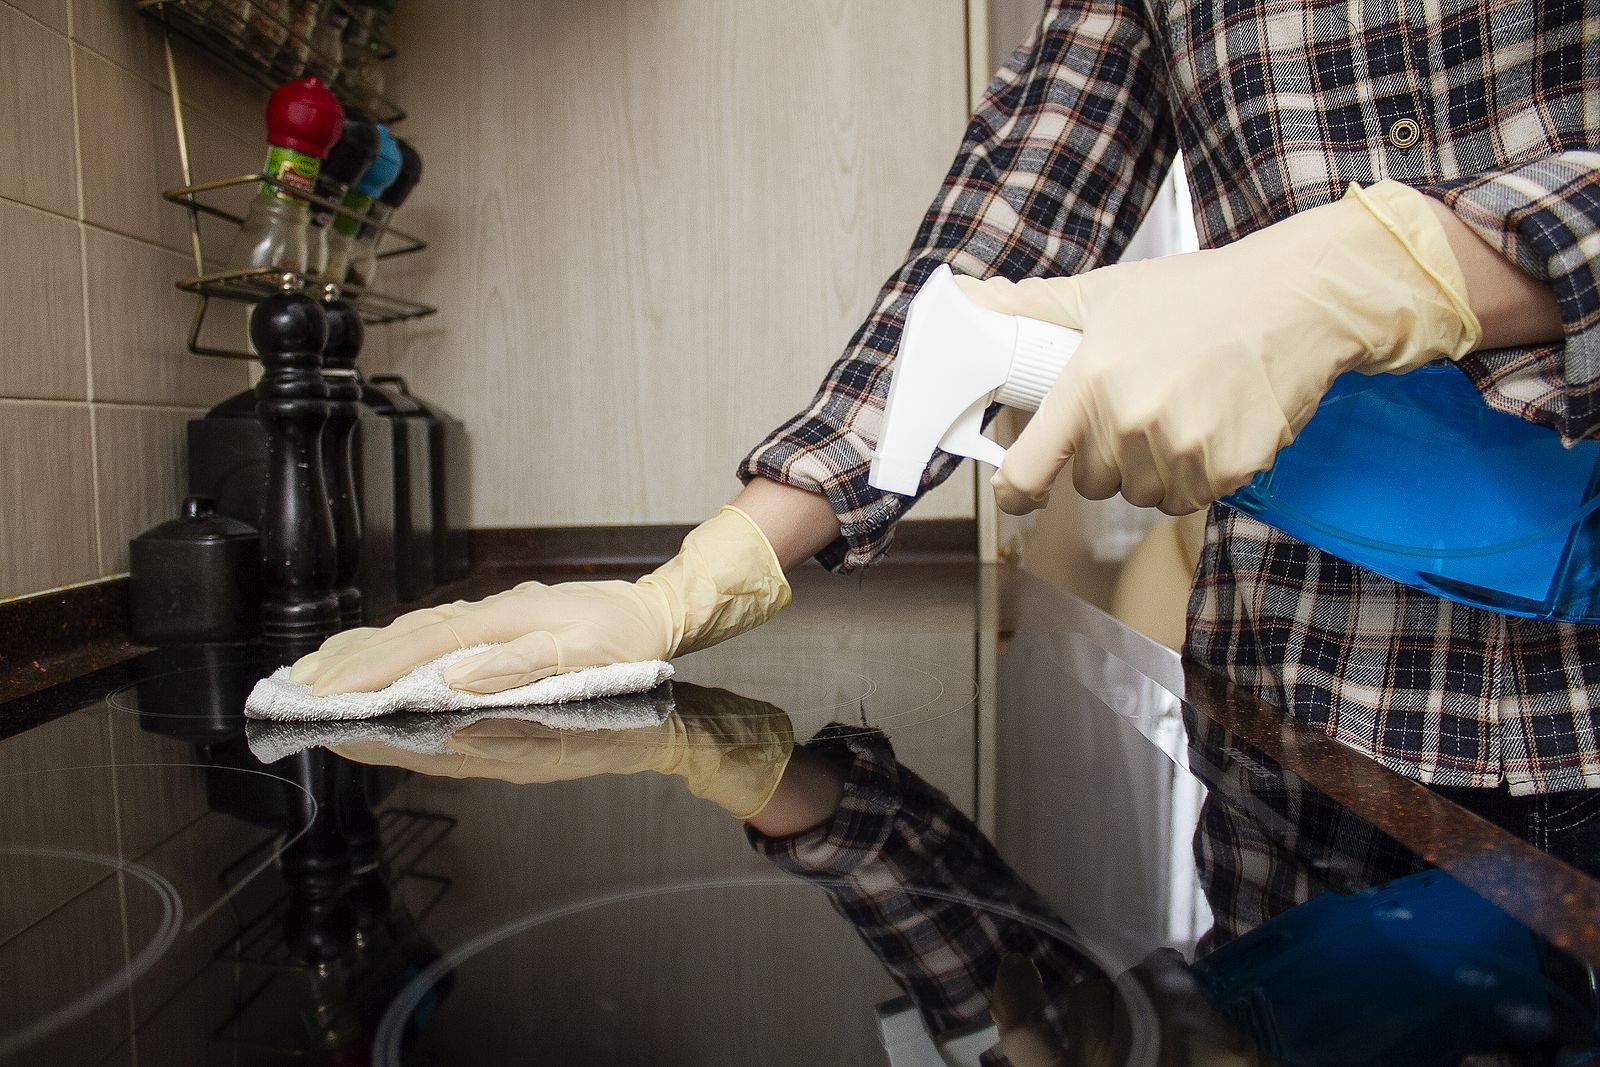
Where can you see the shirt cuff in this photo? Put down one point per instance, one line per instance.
(1544, 216)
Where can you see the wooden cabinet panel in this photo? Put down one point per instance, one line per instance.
(654, 225)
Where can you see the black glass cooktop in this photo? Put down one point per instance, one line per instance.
(1041, 814)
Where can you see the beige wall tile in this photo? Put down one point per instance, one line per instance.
(139, 322)
(47, 531)
(143, 472)
(41, 317)
(216, 151)
(39, 165)
(234, 101)
(117, 31)
(130, 153)
(52, 13)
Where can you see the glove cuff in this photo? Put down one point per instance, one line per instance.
(1409, 218)
(725, 580)
(738, 773)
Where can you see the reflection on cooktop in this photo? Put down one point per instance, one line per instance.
(1036, 831)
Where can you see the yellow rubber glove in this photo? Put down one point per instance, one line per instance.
(730, 750)
(723, 581)
(1195, 369)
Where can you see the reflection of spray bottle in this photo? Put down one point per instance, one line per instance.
(379, 176)
(1419, 972)
(347, 161)
(303, 121)
(364, 257)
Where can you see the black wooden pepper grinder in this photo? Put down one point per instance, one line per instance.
(339, 374)
(297, 553)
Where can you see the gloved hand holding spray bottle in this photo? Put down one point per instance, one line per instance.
(1177, 381)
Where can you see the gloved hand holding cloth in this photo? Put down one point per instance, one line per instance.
(725, 580)
(1195, 369)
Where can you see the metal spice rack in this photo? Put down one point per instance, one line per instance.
(254, 284)
(271, 42)
(192, 19)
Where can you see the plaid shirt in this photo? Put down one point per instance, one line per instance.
(1278, 105)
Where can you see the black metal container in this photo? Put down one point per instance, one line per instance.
(377, 575)
(413, 488)
(228, 463)
(447, 447)
(195, 579)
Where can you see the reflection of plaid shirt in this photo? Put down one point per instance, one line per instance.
(1278, 105)
(892, 858)
(897, 851)
(922, 885)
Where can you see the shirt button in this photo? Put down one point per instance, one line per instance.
(1404, 133)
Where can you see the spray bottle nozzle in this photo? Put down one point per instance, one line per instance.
(956, 358)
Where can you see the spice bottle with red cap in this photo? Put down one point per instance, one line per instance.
(303, 122)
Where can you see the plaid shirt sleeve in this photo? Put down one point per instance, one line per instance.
(1544, 216)
(1058, 165)
(924, 888)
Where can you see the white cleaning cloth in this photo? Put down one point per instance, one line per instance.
(278, 698)
(429, 733)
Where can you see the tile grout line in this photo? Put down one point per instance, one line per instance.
(83, 276)
(159, 84)
(41, 23)
(142, 405)
(100, 227)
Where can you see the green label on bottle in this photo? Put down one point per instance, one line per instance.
(359, 204)
(295, 171)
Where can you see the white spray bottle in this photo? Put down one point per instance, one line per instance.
(955, 359)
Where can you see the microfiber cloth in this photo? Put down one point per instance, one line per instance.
(429, 732)
(282, 700)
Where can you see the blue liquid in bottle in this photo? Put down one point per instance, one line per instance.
(1414, 477)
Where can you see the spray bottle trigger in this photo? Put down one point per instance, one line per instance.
(965, 435)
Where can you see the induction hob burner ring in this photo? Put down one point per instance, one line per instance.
(166, 934)
(388, 1038)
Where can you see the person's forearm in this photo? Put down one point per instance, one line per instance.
(1512, 306)
(797, 523)
(806, 798)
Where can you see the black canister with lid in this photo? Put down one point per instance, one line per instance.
(413, 488)
(196, 578)
(447, 446)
